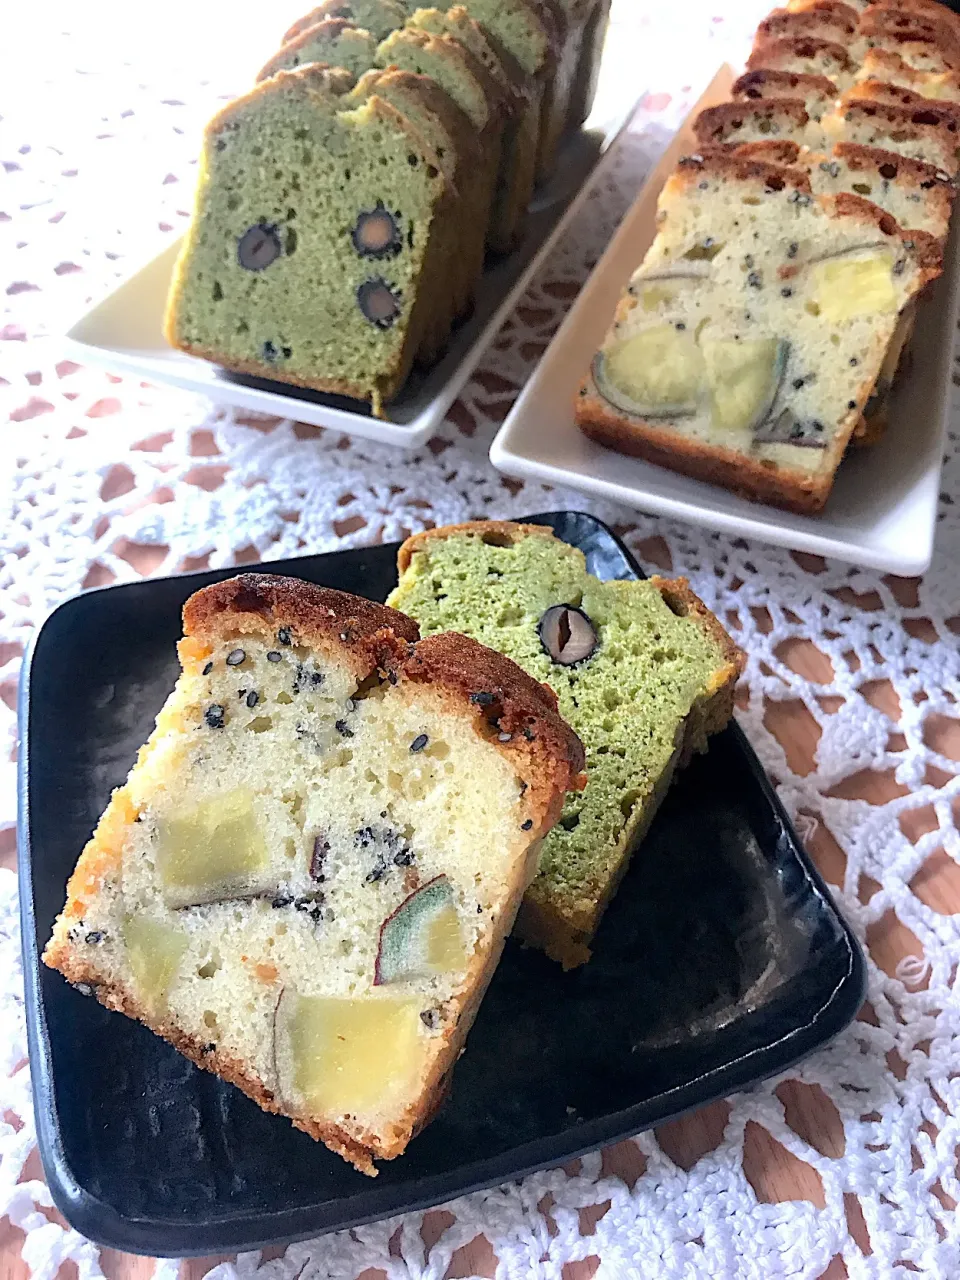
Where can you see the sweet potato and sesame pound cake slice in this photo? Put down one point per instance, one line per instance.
(306, 880)
(312, 256)
(642, 670)
(750, 339)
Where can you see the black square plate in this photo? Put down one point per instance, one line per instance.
(722, 960)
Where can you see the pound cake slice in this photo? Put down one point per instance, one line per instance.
(521, 103)
(461, 239)
(642, 671)
(749, 341)
(321, 268)
(918, 195)
(879, 64)
(379, 17)
(333, 42)
(306, 881)
(817, 93)
(808, 55)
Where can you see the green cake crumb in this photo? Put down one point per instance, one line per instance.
(658, 680)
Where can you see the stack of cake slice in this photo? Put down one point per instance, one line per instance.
(763, 332)
(396, 190)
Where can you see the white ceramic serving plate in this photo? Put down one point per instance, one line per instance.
(882, 510)
(123, 331)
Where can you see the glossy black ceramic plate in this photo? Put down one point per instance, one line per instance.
(722, 960)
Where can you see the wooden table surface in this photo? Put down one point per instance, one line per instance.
(774, 1173)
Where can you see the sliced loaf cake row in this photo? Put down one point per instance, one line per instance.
(845, 131)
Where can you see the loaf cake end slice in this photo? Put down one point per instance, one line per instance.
(305, 883)
(642, 670)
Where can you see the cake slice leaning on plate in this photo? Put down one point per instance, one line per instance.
(643, 671)
(307, 879)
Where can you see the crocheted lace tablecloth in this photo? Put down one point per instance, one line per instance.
(847, 1165)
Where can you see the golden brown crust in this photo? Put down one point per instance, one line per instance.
(325, 29)
(391, 383)
(727, 164)
(909, 24)
(784, 84)
(780, 151)
(837, 20)
(892, 166)
(750, 478)
(767, 53)
(917, 121)
(883, 63)
(511, 710)
(308, 20)
(926, 249)
(368, 635)
(718, 124)
(233, 1070)
(899, 96)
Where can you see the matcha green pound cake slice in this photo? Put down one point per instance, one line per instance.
(379, 17)
(313, 254)
(644, 673)
(460, 74)
(522, 100)
(333, 42)
(448, 130)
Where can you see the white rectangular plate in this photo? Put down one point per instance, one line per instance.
(124, 332)
(882, 510)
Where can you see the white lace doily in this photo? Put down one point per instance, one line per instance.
(848, 1165)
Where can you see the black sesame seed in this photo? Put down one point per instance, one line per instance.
(792, 249)
(282, 900)
(786, 293)
(235, 658)
(523, 787)
(208, 668)
(316, 677)
(755, 280)
(525, 826)
(95, 935)
(392, 677)
(851, 404)
(798, 383)
(253, 698)
(419, 742)
(210, 1048)
(284, 636)
(343, 729)
(403, 859)
(273, 656)
(430, 1018)
(854, 362)
(680, 325)
(214, 716)
(481, 699)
